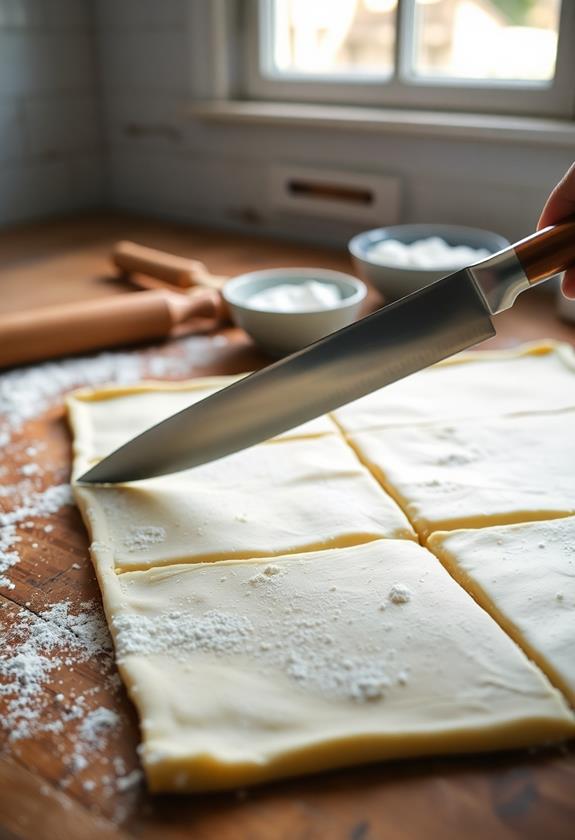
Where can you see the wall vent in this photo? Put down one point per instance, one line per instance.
(336, 193)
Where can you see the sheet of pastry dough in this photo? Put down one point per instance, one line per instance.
(474, 474)
(248, 671)
(290, 496)
(479, 384)
(524, 576)
(108, 417)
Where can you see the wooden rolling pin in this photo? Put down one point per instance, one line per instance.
(104, 322)
(149, 268)
(180, 272)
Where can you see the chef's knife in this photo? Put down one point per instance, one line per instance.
(445, 317)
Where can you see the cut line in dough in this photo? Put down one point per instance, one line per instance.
(106, 418)
(472, 385)
(524, 576)
(296, 495)
(467, 474)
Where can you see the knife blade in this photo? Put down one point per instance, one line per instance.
(448, 316)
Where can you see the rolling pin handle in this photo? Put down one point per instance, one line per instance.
(130, 258)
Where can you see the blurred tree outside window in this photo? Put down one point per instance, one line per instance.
(487, 39)
(513, 40)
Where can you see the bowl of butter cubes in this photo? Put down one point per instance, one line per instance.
(401, 259)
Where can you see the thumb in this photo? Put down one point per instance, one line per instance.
(561, 203)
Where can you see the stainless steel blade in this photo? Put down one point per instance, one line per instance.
(420, 329)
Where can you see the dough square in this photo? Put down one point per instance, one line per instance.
(106, 418)
(292, 496)
(524, 576)
(248, 671)
(500, 470)
(532, 378)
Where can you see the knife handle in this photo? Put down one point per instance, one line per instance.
(547, 252)
(504, 275)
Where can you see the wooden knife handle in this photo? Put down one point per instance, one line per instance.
(176, 271)
(547, 252)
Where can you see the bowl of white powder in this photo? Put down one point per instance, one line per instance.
(399, 260)
(285, 309)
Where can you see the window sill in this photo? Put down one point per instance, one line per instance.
(474, 127)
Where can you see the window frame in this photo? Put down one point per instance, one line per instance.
(402, 89)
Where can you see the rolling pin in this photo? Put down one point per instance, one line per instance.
(180, 272)
(149, 268)
(104, 322)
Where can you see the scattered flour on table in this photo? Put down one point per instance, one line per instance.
(27, 392)
(96, 726)
(30, 469)
(30, 505)
(36, 650)
(129, 781)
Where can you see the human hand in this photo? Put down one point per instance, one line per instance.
(561, 206)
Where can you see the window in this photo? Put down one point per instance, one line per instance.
(505, 56)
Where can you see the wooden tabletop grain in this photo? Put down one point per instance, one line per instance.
(510, 795)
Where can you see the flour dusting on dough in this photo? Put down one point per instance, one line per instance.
(140, 539)
(400, 594)
(296, 637)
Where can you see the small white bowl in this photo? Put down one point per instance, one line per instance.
(280, 333)
(395, 282)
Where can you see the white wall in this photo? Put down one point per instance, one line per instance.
(164, 162)
(51, 150)
(152, 59)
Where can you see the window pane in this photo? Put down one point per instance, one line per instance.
(487, 39)
(333, 37)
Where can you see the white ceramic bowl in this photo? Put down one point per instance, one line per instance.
(394, 282)
(280, 333)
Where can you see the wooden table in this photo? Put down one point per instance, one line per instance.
(527, 795)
